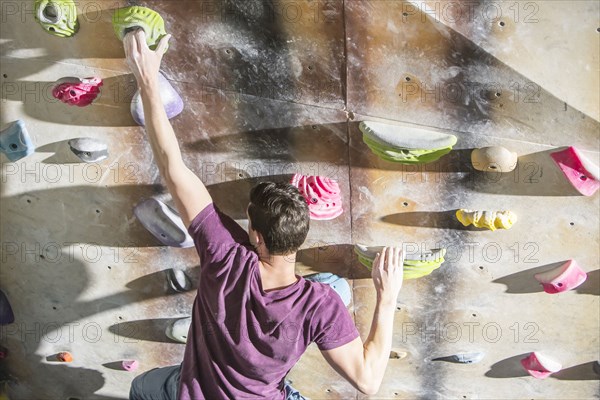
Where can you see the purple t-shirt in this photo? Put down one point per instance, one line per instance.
(242, 340)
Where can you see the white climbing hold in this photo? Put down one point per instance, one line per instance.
(163, 222)
(178, 330)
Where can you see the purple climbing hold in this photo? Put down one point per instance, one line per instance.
(163, 222)
(171, 100)
(6, 312)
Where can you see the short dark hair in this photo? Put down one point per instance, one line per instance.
(280, 214)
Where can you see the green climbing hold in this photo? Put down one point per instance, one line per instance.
(414, 266)
(129, 18)
(58, 17)
(404, 144)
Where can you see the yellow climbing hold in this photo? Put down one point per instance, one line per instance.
(487, 219)
(57, 17)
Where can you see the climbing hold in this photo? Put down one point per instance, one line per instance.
(415, 266)
(3, 352)
(64, 356)
(495, 159)
(129, 18)
(6, 312)
(77, 92)
(582, 173)
(566, 277)
(322, 195)
(89, 150)
(15, 141)
(58, 17)
(597, 367)
(487, 219)
(337, 283)
(539, 366)
(178, 280)
(163, 222)
(130, 365)
(178, 330)
(464, 358)
(171, 100)
(398, 355)
(407, 145)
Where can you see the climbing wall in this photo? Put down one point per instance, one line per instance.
(276, 88)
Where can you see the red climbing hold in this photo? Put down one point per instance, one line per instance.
(77, 92)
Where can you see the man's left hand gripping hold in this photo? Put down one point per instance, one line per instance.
(188, 191)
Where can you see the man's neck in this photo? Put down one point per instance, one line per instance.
(277, 272)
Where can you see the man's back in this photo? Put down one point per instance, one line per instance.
(243, 340)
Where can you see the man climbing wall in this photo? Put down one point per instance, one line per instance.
(239, 343)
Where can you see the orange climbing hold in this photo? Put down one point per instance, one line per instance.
(64, 356)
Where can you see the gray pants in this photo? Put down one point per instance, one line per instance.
(163, 384)
(156, 384)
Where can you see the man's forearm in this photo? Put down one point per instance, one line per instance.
(379, 342)
(160, 132)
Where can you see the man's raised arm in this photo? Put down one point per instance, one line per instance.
(188, 191)
(363, 365)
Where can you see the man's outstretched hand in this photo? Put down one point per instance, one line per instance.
(144, 63)
(388, 273)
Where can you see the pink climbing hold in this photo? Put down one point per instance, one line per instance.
(3, 352)
(583, 174)
(130, 365)
(566, 277)
(539, 366)
(77, 92)
(322, 195)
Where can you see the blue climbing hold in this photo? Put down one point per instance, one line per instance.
(339, 284)
(15, 141)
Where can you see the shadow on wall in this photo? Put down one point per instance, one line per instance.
(111, 107)
(94, 24)
(429, 219)
(319, 143)
(151, 330)
(512, 368)
(335, 258)
(52, 315)
(591, 284)
(55, 380)
(508, 368)
(524, 282)
(581, 372)
(232, 197)
(536, 174)
(81, 214)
